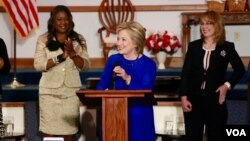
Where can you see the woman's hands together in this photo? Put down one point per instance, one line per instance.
(69, 49)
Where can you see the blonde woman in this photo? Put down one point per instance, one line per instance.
(133, 71)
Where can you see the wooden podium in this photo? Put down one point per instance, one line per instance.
(114, 110)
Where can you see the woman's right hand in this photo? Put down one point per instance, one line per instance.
(186, 104)
(119, 71)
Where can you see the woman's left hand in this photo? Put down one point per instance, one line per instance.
(222, 90)
(69, 48)
(68, 45)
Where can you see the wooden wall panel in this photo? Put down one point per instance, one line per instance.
(197, 7)
(176, 62)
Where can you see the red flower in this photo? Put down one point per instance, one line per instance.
(166, 42)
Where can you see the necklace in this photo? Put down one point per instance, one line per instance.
(131, 62)
(208, 45)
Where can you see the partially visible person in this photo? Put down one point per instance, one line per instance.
(204, 84)
(248, 71)
(4, 63)
(133, 71)
(60, 54)
(4, 70)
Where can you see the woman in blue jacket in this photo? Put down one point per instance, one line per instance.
(133, 71)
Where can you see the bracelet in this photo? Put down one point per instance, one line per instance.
(228, 85)
(128, 82)
(55, 60)
(60, 58)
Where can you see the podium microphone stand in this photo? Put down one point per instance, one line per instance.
(15, 83)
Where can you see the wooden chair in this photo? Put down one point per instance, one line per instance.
(111, 14)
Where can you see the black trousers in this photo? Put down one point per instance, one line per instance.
(206, 112)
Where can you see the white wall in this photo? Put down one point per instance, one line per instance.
(237, 34)
(87, 23)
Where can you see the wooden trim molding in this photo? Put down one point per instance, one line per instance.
(72, 8)
(12, 104)
(191, 7)
(22, 62)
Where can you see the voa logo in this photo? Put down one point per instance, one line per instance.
(236, 132)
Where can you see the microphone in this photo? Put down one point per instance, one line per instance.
(114, 74)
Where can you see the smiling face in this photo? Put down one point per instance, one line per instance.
(207, 28)
(212, 27)
(125, 45)
(61, 22)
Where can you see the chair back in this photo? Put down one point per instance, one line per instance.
(111, 14)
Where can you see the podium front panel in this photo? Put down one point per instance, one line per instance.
(114, 110)
(114, 121)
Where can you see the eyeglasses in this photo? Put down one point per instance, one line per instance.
(206, 23)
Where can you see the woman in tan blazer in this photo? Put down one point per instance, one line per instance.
(60, 54)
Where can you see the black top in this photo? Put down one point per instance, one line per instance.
(194, 74)
(4, 55)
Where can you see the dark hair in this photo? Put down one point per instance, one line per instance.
(51, 28)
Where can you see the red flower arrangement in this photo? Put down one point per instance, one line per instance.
(167, 42)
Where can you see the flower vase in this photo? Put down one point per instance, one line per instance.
(161, 58)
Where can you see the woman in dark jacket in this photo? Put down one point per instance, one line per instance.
(4, 70)
(4, 62)
(204, 85)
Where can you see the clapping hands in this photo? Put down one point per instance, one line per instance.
(69, 50)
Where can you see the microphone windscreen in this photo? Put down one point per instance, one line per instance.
(116, 64)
